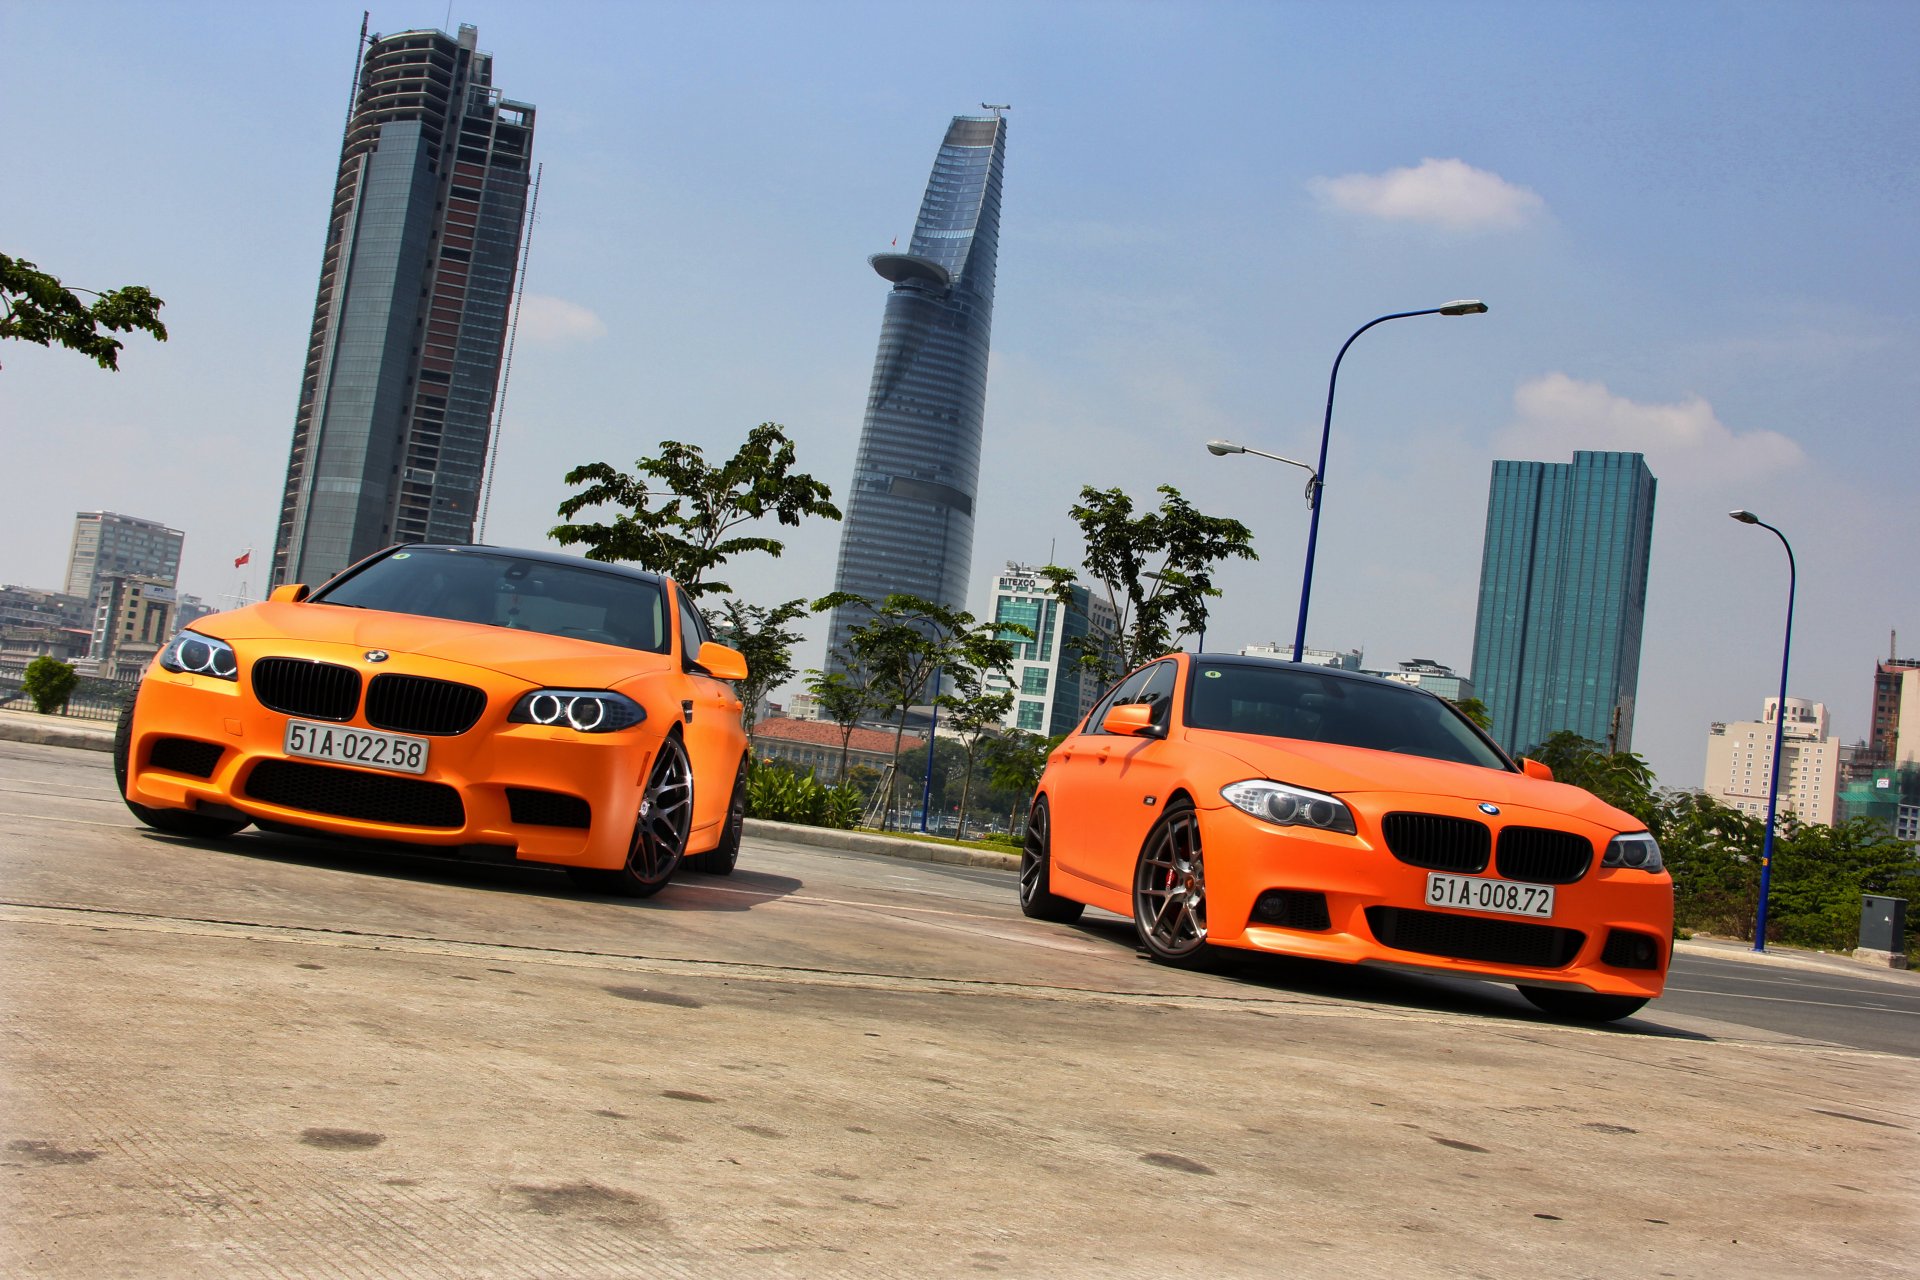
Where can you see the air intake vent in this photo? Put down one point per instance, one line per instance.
(296, 687)
(415, 704)
(547, 808)
(1437, 842)
(349, 793)
(1535, 946)
(185, 755)
(1541, 856)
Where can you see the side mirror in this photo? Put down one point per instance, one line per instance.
(1534, 769)
(721, 662)
(1131, 720)
(291, 593)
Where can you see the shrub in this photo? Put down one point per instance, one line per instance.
(49, 682)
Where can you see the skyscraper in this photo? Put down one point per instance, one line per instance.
(396, 401)
(909, 523)
(1563, 594)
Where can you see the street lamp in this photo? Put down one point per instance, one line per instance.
(1461, 307)
(1779, 725)
(1221, 448)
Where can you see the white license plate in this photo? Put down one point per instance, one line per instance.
(363, 747)
(1500, 897)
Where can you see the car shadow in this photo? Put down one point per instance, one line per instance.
(687, 891)
(1382, 986)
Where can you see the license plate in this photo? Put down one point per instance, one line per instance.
(1499, 897)
(389, 751)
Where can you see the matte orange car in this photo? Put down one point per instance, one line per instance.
(507, 705)
(1272, 806)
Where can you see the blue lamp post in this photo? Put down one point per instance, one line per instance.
(1779, 726)
(1463, 307)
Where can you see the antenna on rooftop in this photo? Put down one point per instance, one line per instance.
(996, 108)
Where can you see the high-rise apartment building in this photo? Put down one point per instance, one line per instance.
(1563, 593)
(1894, 738)
(1052, 691)
(909, 522)
(396, 402)
(134, 617)
(106, 544)
(1740, 763)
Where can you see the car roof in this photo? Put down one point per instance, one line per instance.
(545, 557)
(1283, 664)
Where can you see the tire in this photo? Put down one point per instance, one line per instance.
(721, 859)
(1037, 899)
(176, 822)
(1170, 890)
(660, 831)
(1582, 1006)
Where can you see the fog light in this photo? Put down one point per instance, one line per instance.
(1629, 950)
(1293, 909)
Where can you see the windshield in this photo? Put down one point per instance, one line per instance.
(1286, 702)
(500, 589)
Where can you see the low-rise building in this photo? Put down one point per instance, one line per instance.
(815, 745)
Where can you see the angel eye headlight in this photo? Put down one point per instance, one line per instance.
(199, 655)
(583, 710)
(1286, 806)
(1636, 849)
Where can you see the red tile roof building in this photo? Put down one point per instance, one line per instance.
(815, 744)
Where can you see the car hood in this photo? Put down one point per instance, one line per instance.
(528, 655)
(1357, 771)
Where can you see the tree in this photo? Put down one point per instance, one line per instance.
(679, 513)
(843, 697)
(1015, 759)
(1622, 779)
(904, 646)
(1122, 552)
(971, 712)
(49, 682)
(762, 637)
(36, 307)
(1476, 711)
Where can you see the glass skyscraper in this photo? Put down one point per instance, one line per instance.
(909, 522)
(396, 401)
(1563, 594)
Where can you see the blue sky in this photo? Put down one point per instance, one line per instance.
(1694, 225)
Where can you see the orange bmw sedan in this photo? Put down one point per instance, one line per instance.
(507, 705)
(1271, 806)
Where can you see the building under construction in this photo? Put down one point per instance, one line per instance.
(390, 437)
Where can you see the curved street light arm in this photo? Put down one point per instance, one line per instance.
(1779, 729)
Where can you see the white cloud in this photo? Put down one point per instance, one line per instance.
(1451, 193)
(1557, 414)
(555, 321)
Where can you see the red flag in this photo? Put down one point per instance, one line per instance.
(244, 557)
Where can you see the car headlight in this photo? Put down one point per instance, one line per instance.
(1286, 806)
(200, 655)
(1636, 849)
(587, 710)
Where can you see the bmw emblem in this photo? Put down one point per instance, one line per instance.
(380, 655)
(1489, 809)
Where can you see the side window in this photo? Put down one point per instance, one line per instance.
(693, 629)
(1126, 691)
(1157, 693)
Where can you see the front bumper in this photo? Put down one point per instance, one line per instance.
(1611, 931)
(581, 790)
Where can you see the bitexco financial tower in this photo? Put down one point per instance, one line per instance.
(909, 524)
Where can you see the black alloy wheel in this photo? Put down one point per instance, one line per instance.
(1037, 899)
(722, 858)
(660, 831)
(1170, 890)
(1582, 1006)
(175, 822)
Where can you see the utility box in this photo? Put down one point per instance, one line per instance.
(1883, 924)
